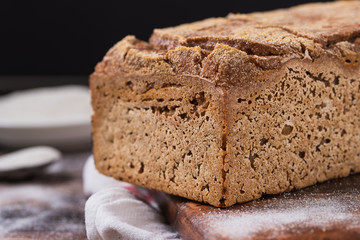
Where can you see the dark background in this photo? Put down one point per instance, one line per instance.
(68, 37)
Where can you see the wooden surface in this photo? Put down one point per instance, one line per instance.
(326, 211)
(48, 206)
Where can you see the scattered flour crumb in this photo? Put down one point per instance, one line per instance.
(278, 217)
(34, 208)
(307, 55)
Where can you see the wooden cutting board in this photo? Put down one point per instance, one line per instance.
(330, 210)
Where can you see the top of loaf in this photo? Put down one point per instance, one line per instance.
(269, 33)
(249, 43)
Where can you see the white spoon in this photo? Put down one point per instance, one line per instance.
(26, 162)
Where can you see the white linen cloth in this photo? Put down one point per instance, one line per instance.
(119, 210)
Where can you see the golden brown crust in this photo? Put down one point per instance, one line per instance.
(265, 40)
(277, 32)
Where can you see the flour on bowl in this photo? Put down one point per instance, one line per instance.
(46, 106)
(54, 116)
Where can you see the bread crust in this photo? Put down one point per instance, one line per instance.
(221, 110)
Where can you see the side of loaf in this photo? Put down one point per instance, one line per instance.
(156, 132)
(302, 130)
(228, 109)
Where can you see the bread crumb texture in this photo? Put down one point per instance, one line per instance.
(227, 109)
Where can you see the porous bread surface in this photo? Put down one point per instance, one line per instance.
(302, 130)
(227, 109)
(168, 137)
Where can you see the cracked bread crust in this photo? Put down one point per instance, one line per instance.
(216, 49)
(227, 109)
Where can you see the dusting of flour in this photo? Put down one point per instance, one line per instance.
(281, 216)
(35, 208)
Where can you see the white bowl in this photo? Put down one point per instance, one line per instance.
(54, 116)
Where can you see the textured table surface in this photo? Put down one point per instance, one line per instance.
(51, 206)
(48, 206)
(330, 210)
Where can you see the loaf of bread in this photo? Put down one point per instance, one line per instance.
(225, 110)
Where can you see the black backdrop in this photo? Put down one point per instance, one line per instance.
(68, 37)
